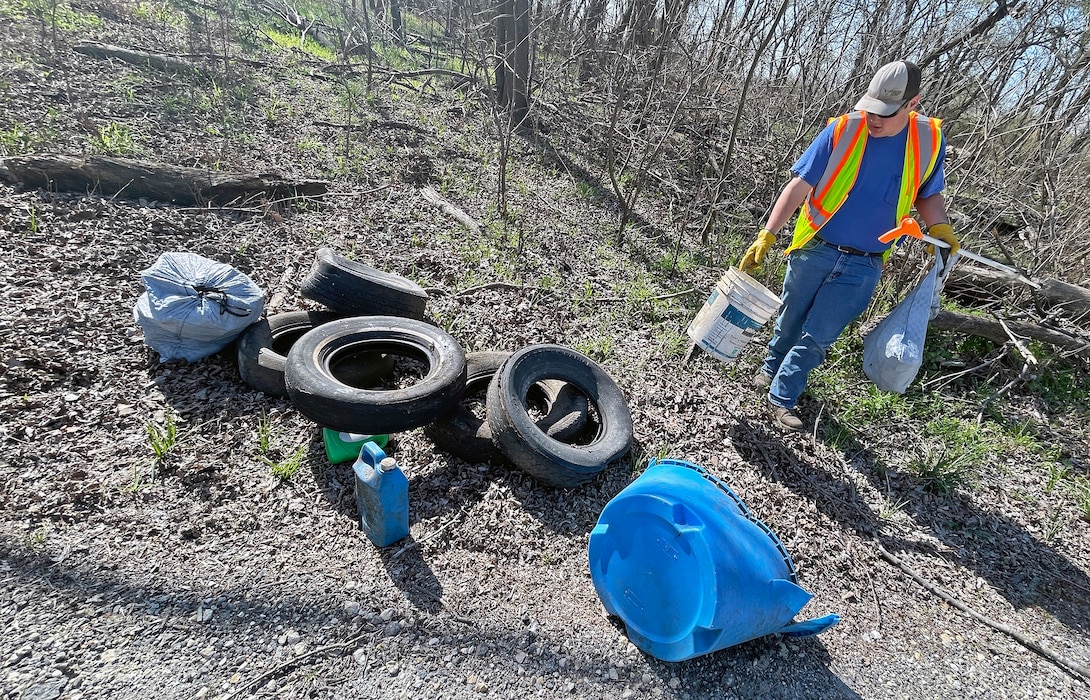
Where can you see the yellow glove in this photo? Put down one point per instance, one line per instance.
(944, 233)
(756, 252)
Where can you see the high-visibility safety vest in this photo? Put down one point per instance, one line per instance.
(849, 140)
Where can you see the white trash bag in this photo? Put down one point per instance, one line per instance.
(893, 351)
(193, 307)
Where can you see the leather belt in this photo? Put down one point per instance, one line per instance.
(851, 251)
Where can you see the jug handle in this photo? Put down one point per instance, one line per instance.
(372, 453)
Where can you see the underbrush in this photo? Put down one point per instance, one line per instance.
(966, 420)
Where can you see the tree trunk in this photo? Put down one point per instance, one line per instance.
(395, 19)
(520, 100)
(513, 57)
(505, 20)
(993, 330)
(167, 64)
(592, 23)
(113, 177)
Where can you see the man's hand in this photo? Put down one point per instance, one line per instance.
(944, 233)
(756, 253)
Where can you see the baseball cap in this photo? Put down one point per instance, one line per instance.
(891, 87)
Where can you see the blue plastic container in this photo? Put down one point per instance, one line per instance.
(382, 496)
(689, 569)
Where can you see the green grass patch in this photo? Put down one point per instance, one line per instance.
(17, 140)
(876, 406)
(425, 26)
(163, 438)
(115, 139)
(598, 349)
(943, 469)
(285, 469)
(60, 16)
(586, 191)
(308, 46)
(1082, 498)
(1062, 387)
(157, 12)
(682, 263)
(965, 435)
(400, 59)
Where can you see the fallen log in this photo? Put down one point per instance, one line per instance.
(994, 330)
(158, 61)
(1073, 301)
(133, 179)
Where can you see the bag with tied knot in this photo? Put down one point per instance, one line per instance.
(193, 307)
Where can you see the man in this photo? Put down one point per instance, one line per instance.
(863, 172)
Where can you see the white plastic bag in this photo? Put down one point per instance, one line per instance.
(893, 351)
(193, 307)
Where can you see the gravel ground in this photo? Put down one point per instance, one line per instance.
(204, 575)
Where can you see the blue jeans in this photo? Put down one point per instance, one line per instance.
(824, 290)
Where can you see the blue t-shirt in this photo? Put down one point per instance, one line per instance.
(871, 207)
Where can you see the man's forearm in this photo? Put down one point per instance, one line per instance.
(792, 196)
(932, 209)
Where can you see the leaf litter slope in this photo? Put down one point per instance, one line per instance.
(205, 573)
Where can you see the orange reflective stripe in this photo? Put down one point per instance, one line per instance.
(841, 124)
(815, 205)
(832, 177)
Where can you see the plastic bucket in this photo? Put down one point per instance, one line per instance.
(689, 569)
(737, 307)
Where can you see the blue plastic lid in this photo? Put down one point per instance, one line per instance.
(662, 564)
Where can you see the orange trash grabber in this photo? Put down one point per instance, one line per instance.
(910, 227)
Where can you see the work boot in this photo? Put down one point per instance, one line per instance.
(787, 419)
(762, 380)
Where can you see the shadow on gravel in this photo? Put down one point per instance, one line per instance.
(440, 493)
(98, 593)
(768, 667)
(1024, 570)
(576, 510)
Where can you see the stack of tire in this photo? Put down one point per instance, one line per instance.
(551, 411)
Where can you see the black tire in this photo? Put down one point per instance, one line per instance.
(521, 441)
(356, 289)
(263, 347)
(462, 434)
(314, 382)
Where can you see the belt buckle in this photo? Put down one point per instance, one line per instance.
(853, 251)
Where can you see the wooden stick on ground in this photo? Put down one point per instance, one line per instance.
(432, 197)
(280, 668)
(1027, 369)
(1068, 665)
